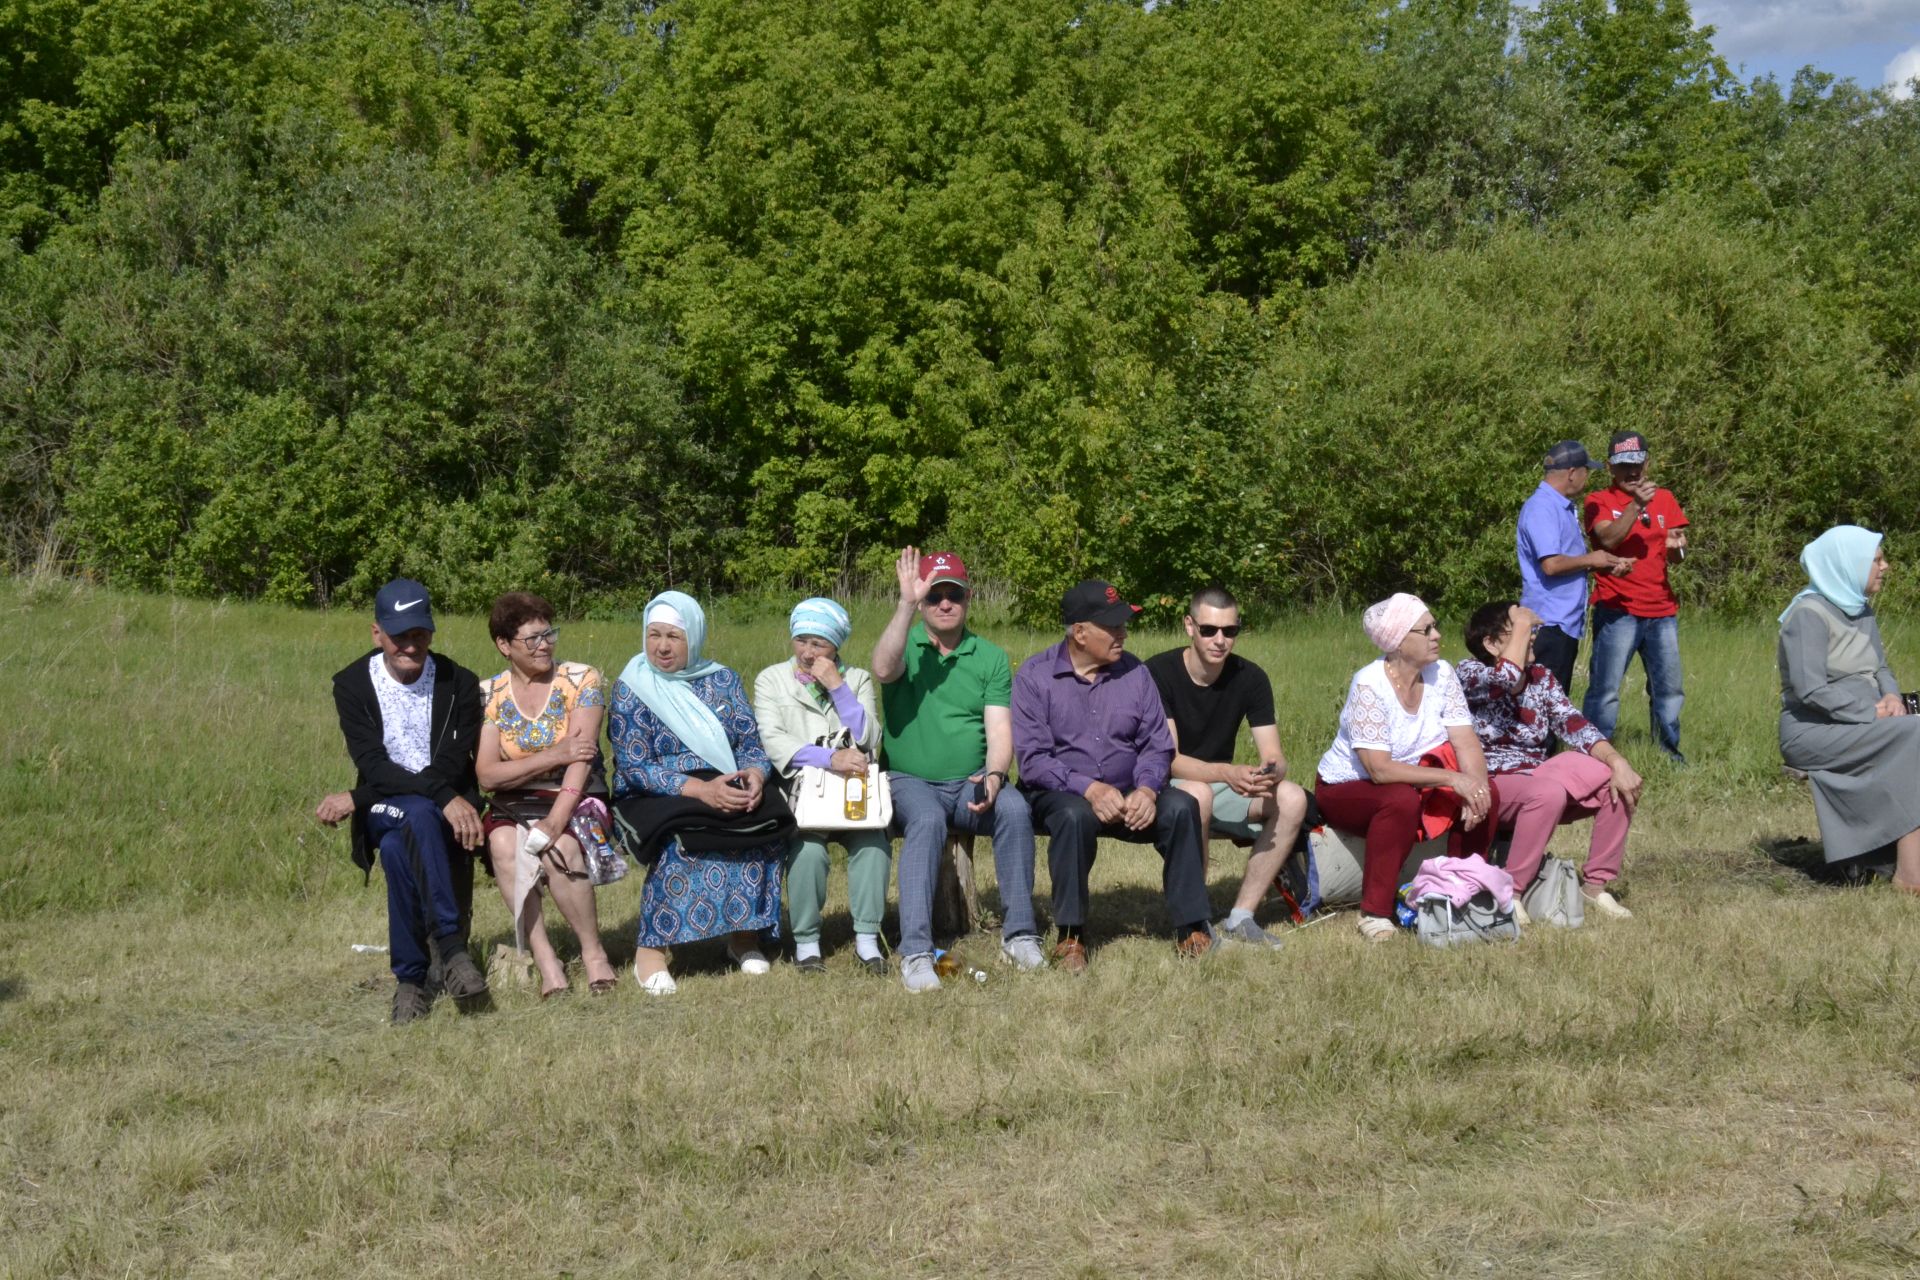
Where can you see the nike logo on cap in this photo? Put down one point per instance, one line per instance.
(408, 605)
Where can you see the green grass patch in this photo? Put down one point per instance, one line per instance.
(196, 1076)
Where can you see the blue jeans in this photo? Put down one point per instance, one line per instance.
(924, 810)
(1617, 637)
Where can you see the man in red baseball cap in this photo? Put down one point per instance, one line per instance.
(1636, 612)
(947, 742)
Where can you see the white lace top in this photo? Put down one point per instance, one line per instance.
(1374, 719)
(406, 715)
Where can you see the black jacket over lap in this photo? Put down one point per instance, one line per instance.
(455, 737)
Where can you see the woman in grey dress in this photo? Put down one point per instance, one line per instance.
(1841, 716)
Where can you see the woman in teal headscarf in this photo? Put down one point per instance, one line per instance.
(1842, 719)
(690, 795)
(816, 710)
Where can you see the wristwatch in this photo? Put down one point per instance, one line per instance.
(998, 773)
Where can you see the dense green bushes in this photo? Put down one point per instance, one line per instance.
(590, 296)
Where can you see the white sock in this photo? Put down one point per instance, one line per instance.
(806, 950)
(1237, 916)
(866, 946)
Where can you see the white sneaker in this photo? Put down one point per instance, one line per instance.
(1520, 916)
(1604, 903)
(1023, 951)
(917, 975)
(655, 984)
(1375, 929)
(750, 961)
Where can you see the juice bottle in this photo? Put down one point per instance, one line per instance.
(856, 799)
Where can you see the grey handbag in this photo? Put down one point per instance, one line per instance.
(1441, 924)
(1554, 897)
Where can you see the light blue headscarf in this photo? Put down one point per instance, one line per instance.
(1837, 563)
(819, 616)
(670, 693)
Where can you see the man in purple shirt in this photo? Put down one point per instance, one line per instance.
(1090, 733)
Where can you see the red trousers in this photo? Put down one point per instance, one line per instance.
(1388, 815)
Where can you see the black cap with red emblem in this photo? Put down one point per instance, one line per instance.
(1096, 601)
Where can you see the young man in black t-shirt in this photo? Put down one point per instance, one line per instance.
(1207, 692)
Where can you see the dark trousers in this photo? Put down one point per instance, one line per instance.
(429, 881)
(1554, 649)
(1073, 835)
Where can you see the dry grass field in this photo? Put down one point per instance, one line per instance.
(197, 1077)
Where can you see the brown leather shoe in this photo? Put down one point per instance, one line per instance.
(1193, 945)
(1070, 954)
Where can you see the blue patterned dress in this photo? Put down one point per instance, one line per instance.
(691, 895)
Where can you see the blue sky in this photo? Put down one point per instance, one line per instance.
(1872, 41)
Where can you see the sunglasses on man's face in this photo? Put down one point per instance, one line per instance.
(947, 595)
(1209, 630)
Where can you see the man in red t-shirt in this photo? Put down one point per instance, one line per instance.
(1635, 612)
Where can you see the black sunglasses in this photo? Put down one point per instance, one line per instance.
(1209, 630)
(947, 595)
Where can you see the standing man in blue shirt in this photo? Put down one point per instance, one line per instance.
(1554, 560)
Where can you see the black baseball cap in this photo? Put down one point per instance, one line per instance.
(1566, 454)
(1096, 601)
(402, 605)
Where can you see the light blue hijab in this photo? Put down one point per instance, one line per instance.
(670, 693)
(1837, 564)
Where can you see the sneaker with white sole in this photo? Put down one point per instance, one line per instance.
(1605, 904)
(1248, 932)
(1023, 952)
(917, 975)
(1377, 929)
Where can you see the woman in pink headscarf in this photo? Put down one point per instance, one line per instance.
(1405, 765)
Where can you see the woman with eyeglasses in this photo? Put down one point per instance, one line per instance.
(691, 797)
(1405, 765)
(815, 710)
(1843, 720)
(1518, 709)
(547, 818)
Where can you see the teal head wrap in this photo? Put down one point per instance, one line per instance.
(670, 694)
(1837, 564)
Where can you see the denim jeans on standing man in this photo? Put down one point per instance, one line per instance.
(1617, 636)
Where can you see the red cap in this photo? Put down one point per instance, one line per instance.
(943, 566)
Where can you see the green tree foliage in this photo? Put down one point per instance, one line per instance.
(295, 393)
(1412, 408)
(590, 295)
(75, 74)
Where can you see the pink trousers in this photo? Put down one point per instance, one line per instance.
(1567, 788)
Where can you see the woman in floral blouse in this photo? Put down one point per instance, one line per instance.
(1518, 708)
(540, 757)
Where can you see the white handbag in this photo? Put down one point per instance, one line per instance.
(1554, 897)
(827, 801)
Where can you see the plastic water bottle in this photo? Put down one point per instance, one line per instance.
(856, 806)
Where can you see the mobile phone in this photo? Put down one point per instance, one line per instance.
(980, 791)
(738, 781)
(1265, 769)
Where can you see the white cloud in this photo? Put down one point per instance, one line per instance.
(1746, 30)
(1902, 70)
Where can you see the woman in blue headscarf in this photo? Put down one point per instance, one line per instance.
(815, 710)
(690, 797)
(1842, 719)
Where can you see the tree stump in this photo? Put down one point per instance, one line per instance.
(956, 903)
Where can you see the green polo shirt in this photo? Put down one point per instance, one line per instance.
(936, 712)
